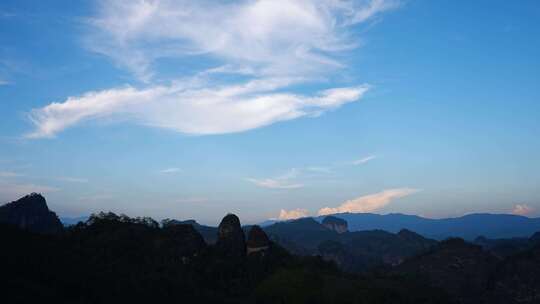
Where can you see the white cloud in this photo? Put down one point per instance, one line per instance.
(369, 203)
(262, 36)
(292, 214)
(192, 111)
(522, 209)
(169, 170)
(363, 160)
(271, 44)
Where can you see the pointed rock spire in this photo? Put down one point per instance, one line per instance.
(231, 241)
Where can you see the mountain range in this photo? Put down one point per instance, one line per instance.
(114, 258)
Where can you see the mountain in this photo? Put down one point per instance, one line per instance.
(335, 223)
(208, 233)
(117, 259)
(460, 268)
(517, 279)
(32, 213)
(352, 251)
(467, 227)
(471, 274)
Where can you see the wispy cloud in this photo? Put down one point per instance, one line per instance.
(169, 170)
(260, 40)
(283, 181)
(363, 160)
(522, 209)
(292, 214)
(4, 82)
(369, 203)
(274, 183)
(265, 37)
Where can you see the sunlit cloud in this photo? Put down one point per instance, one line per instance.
(522, 209)
(369, 203)
(292, 214)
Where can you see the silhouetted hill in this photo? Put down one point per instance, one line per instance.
(517, 279)
(209, 233)
(353, 251)
(467, 227)
(117, 259)
(460, 268)
(31, 213)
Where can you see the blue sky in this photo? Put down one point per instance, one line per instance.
(192, 109)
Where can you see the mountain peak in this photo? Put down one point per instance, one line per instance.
(335, 223)
(231, 241)
(31, 212)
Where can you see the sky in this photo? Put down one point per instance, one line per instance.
(271, 109)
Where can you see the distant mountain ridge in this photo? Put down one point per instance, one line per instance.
(467, 227)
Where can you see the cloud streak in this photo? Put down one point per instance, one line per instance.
(363, 160)
(169, 170)
(200, 111)
(369, 203)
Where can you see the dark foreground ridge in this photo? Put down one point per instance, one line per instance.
(31, 213)
(117, 259)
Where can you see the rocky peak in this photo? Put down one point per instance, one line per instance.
(31, 212)
(336, 224)
(257, 240)
(231, 241)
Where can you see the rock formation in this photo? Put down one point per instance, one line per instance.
(336, 224)
(257, 240)
(231, 241)
(31, 213)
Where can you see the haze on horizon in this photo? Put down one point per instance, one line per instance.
(271, 109)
